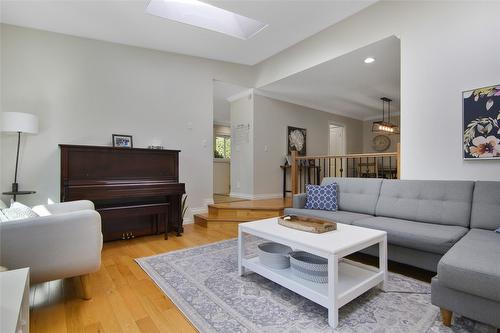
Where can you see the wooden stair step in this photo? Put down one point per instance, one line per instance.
(268, 204)
(242, 211)
(205, 218)
(216, 206)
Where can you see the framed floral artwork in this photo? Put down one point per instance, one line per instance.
(481, 123)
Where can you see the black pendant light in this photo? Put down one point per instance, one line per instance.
(385, 126)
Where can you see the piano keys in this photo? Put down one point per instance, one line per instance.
(134, 189)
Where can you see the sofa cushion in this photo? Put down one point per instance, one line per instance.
(473, 265)
(486, 206)
(356, 195)
(432, 201)
(427, 237)
(338, 216)
(322, 197)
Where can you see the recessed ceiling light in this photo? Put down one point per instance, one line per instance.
(206, 16)
(369, 60)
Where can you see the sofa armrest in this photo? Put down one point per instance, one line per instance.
(63, 207)
(54, 246)
(299, 200)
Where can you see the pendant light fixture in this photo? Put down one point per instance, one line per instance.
(385, 126)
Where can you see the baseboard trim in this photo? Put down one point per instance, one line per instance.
(189, 219)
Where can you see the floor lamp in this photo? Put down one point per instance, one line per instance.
(18, 122)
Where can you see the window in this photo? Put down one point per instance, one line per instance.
(222, 147)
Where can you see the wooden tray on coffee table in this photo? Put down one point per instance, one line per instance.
(308, 224)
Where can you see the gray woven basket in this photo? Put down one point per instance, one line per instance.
(274, 255)
(309, 266)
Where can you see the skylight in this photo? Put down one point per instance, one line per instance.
(206, 16)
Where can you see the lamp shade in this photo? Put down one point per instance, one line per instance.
(19, 122)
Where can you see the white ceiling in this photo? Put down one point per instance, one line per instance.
(222, 108)
(346, 85)
(127, 23)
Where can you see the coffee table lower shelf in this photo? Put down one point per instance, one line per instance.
(353, 279)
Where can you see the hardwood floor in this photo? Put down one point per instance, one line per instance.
(124, 298)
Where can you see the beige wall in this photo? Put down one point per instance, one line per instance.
(271, 118)
(85, 90)
(368, 136)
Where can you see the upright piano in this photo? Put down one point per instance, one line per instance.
(135, 190)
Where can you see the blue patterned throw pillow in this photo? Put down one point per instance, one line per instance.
(321, 197)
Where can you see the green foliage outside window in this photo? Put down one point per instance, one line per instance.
(222, 147)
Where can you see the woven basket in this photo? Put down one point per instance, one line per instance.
(309, 266)
(274, 255)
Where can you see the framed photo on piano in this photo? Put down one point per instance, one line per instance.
(122, 141)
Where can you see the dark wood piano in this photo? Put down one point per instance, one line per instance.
(133, 189)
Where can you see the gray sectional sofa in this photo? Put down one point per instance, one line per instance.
(441, 226)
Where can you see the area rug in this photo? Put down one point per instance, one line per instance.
(204, 284)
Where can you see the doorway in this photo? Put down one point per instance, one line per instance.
(337, 147)
(222, 136)
(337, 144)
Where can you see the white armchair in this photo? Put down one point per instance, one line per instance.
(64, 241)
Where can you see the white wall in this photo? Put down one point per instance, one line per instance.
(222, 111)
(242, 166)
(85, 90)
(271, 119)
(446, 47)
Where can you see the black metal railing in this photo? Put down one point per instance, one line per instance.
(312, 169)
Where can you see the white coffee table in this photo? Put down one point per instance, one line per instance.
(347, 279)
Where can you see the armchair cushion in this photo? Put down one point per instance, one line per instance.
(18, 211)
(3, 218)
(63, 207)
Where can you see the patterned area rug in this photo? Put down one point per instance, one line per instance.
(204, 284)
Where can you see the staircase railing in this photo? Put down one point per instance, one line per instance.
(312, 169)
